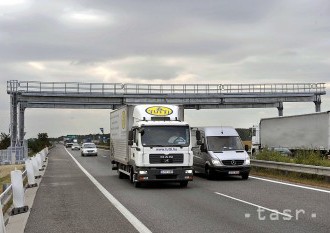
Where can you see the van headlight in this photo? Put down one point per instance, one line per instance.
(216, 162)
(247, 160)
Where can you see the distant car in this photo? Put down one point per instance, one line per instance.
(88, 149)
(75, 146)
(68, 144)
(282, 150)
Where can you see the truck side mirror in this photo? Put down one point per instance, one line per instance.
(130, 138)
(198, 137)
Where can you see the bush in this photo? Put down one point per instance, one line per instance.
(37, 144)
(307, 157)
(269, 155)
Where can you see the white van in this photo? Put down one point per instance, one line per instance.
(219, 150)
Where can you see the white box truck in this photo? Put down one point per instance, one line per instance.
(308, 131)
(151, 143)
(219, 151)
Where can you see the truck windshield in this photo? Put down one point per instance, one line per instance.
(223, 143)
(165, 136)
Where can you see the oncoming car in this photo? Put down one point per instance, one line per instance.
(88, 149)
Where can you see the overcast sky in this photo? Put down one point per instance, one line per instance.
(157, 41)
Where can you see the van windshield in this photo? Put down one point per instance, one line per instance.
(223, 143)
(165, 136)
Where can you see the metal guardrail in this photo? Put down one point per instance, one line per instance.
(15, 86)
(63, 87)
(13, 155)
(309, 169)
(6, 195)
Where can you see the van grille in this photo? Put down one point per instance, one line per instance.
(232, 162)
(162, 158)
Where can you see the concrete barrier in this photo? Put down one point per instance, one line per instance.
(18, 193)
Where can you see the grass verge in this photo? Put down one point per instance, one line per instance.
(5, 173)
(294, 177)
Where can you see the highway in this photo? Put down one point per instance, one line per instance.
(70, 201)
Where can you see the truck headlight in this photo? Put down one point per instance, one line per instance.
(216, 162)
(143, 172)
(189, 171)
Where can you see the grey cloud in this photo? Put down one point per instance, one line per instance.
(215, 41)
(149, 69)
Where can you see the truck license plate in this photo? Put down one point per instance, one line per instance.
(233, 172)
(166, 171)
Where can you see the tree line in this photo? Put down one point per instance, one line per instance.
(34, 144)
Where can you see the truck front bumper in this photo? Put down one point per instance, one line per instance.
(164, 174)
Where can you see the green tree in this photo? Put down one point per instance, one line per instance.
(43, 139)
(4, 141)
(37, 144)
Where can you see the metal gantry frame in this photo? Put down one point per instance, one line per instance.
(34, 94)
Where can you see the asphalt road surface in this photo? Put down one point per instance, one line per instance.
(70, 201)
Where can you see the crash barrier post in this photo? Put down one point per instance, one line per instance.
(43, 156)
(2, 222)
(39, 160)
(35, 168)
(18, 193)
(30, 174)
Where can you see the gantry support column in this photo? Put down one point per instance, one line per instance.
(317, 103)
(21, 123)
(13, 119)
(280, 109)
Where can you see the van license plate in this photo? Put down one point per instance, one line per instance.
(166, 171)
(233, 172)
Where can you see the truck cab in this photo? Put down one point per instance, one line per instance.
(219, 150)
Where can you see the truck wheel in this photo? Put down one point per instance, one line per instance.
(245, 176)
(183, 184)
(136, 183)
(208, 172)
(131, 176)
(121, 175)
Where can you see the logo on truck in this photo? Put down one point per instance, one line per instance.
(159, 111)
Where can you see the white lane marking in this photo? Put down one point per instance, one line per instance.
(293, 185)
(259, 206)
(127, 214)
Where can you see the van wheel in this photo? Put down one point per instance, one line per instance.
(245, 176)
(183, 184)
(209, 173)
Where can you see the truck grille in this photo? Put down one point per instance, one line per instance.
(232, 162)
(162, 158)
